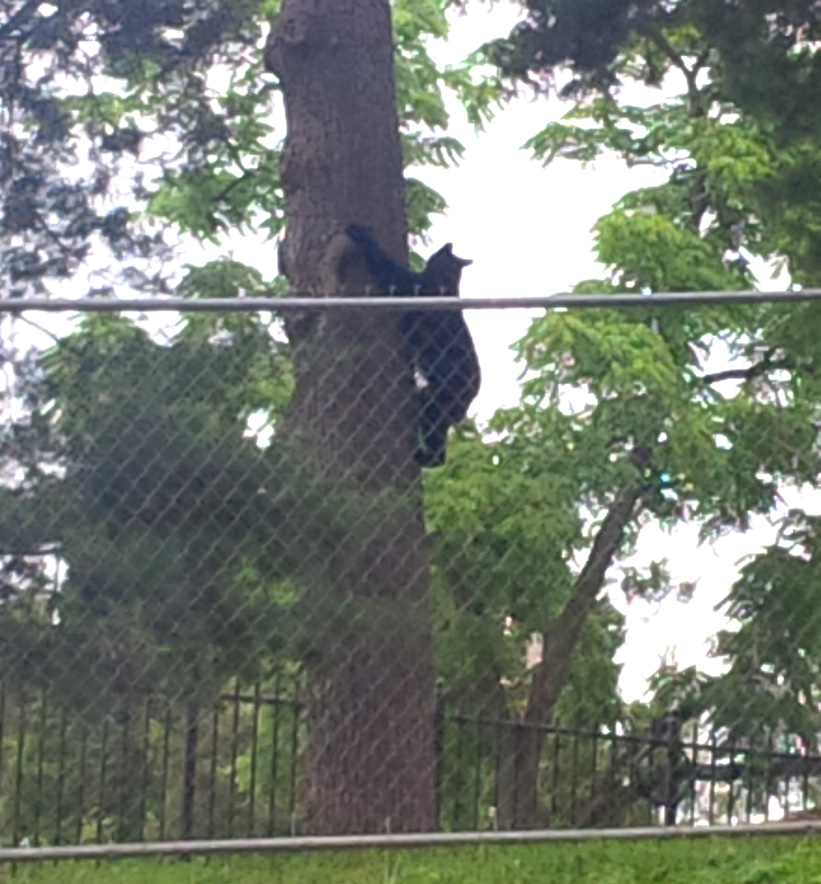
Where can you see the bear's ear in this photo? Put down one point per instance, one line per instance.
(448, 249)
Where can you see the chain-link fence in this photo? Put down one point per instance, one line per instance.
(250, 587)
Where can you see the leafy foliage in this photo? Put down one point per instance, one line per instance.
(774, 651)
(501, 566)
(721, 402)
(122, 118)
(129, 129)
(744, 128)
(184, 546)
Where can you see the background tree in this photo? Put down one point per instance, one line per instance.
(632, 406)
(168, 119)
(772, 681)
(143, 567)
(760, 60)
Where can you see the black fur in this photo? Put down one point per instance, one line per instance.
(440, 348)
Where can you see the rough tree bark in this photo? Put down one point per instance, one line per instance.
(521, 745)
(371, 761)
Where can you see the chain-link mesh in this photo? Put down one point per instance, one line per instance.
(233, 604)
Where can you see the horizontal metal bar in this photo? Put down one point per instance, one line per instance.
(403, 841)
(263, 700)
(810, 762)
(297, 303)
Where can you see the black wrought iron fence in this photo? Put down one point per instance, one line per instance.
(161, 770)
(609, 777)
(151, 770)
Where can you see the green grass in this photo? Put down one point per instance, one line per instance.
(793, 860)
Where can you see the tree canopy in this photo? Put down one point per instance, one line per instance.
(721, 400)
(750, 72)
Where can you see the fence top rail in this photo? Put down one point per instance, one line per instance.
(302, 302)
(301, 843)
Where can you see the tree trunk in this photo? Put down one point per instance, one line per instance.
(523, 744)
(371, 764)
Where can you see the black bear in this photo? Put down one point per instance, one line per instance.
(440, 348)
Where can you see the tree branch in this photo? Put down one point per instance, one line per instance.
(742, 374)
(731, 374)
(562, 636)
(701, 61)
(25, 11)
(656, 35)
